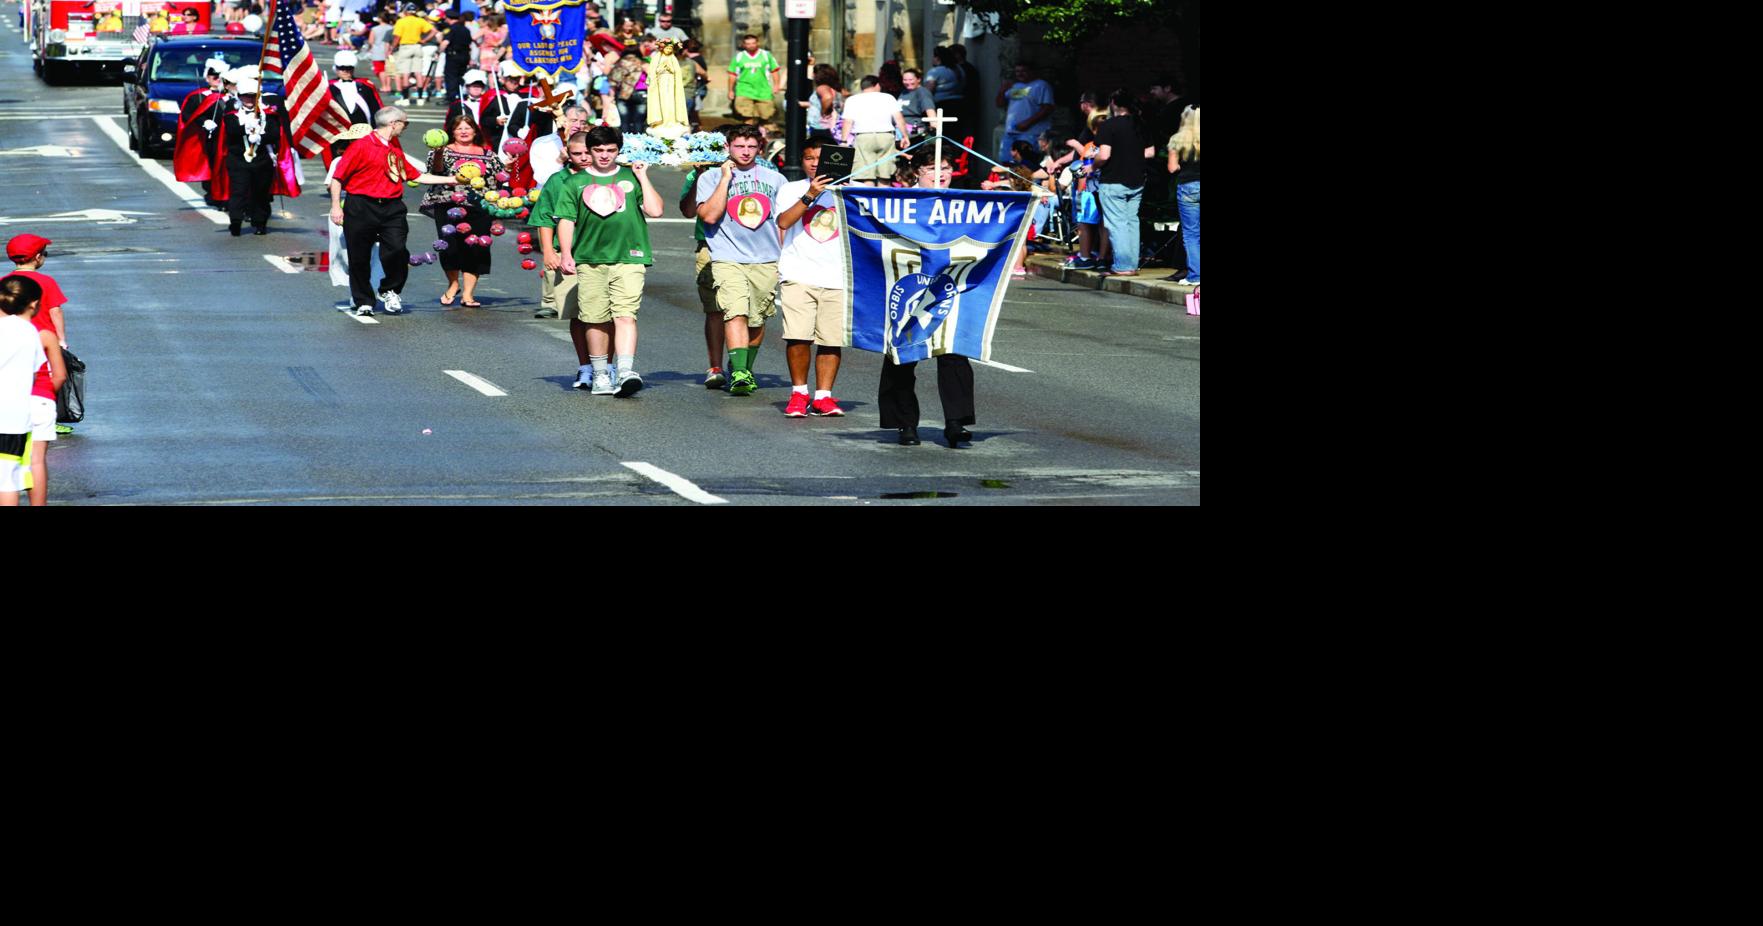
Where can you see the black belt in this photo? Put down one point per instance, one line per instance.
(379, 199)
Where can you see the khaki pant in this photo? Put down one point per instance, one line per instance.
(874, 148)
(748, 108)
(607, 291)
(706, 286)
(557, 293)
(745, 289)
(814, 313)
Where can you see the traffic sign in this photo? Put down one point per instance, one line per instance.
(798, 9)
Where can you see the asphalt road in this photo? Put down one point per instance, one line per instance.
(218, 378)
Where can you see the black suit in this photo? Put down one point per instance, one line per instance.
(250, 182)
(361, 113)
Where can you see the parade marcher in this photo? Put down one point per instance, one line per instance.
(339, 247)
(714, 377)
(476, 82)
(464, 263)
(896, 397)
(254, 144)
(507, 112)
(752, 82)
(555, 286)
(359, 98)
(547, 159)
(456, 47)
(738, 205)
(190, 153)
(812, 268)
(22, 354)
(603, 234)
(373, 172)
(871, 119)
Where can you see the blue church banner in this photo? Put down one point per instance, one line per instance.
(927, 269)
(547, 39)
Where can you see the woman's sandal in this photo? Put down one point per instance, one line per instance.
(446, 299)
(472, 305)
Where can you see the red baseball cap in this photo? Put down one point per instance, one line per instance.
(27, 246)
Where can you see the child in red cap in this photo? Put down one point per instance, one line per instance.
(29, 252)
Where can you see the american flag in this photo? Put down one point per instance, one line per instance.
(140, 33)
(313, 115)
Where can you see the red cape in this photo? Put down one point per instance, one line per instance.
(189, 160)
(287, 173)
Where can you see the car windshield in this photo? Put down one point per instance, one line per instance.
(186, 63)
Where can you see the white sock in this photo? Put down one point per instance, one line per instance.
(626, 362)
(822, 394)
(599, 362)
(802, 388)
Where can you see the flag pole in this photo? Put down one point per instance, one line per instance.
(263, 53)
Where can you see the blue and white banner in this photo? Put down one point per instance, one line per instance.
(548, 39)
(927, 268)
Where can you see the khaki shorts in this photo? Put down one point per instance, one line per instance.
(706, 287)
(874, 148)
(557, 292)
(748, 108)
(407, 59)
(604, 292)
(814, 313)
(745, 289)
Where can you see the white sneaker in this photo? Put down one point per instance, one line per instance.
(364, 310)
(603, 385)
(628, 383)
(394, 305)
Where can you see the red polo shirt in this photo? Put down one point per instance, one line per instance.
(367, 166)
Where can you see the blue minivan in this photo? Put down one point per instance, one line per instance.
(170, 67)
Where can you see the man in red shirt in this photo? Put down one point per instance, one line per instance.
(373, 172)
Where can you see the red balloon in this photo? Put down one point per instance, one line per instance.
(501, 176)
(522, 214)
(496, 228)
(527, 264)
(525, 238)
(520, 191)
(515, 147)
(524, 248)
(464, 229)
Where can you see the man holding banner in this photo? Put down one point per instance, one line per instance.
(928, 267)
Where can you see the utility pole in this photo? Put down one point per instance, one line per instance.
(798, 14)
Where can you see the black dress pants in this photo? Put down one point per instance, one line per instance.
(898, 397)
(367, 220)
(249, 183)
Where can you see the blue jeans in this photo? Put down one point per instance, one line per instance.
(1120, 215)
(1187, 202)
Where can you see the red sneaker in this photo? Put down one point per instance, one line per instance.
(798, 407)
(828, 407)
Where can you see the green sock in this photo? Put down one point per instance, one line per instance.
(737, 359)
(752, 353)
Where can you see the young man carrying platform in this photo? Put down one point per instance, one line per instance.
(812, 266)
(738, 205)
(604, 238)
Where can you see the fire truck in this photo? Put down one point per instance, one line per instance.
(75, 36)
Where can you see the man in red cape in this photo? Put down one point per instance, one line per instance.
(189, 153)
(280, 177)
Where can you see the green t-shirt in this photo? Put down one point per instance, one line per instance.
(608, 217)
(754, 81)
(544, 211)
(697, 224)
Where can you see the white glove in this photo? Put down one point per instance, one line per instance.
(208, 125)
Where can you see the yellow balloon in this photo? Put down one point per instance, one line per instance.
(477, 183)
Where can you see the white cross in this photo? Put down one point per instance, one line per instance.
(937, 122)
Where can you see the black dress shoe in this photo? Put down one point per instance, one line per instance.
(233, 230)
(908, 437)
(259, 231)
(956, 435)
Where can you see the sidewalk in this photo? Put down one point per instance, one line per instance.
(1151, 283)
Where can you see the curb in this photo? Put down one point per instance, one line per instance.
(1159, 290)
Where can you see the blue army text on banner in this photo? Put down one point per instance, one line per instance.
(547, 39)
(927, 268)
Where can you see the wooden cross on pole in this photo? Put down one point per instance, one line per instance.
(937, 121)
(551, 102)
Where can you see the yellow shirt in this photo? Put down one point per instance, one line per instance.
(410, 30)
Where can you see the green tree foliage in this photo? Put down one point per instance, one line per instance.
(1069, 22)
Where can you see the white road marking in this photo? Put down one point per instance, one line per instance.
(680, 485)
(476, 382)
(47, 151)
(364, 319)
(281, 263)
(1003, 366)
(98, 216)
(1184, 337)
(181, 190)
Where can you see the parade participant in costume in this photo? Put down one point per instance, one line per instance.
(897, 396)
(464, 263)
(546, 159)
(471, 103)
(604, 238)
(373, 172)
(507, 112)
(254, 144)
(812, 267)
(359, 98)
(559, 288)
(738, 206)
(190, 153)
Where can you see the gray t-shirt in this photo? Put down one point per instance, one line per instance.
(671, 32)
(747, 233)
(914, 103)
(382, 41)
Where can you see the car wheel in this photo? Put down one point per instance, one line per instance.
(54, 73)
(134, 143)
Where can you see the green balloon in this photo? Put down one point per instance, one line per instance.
(434, 138)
